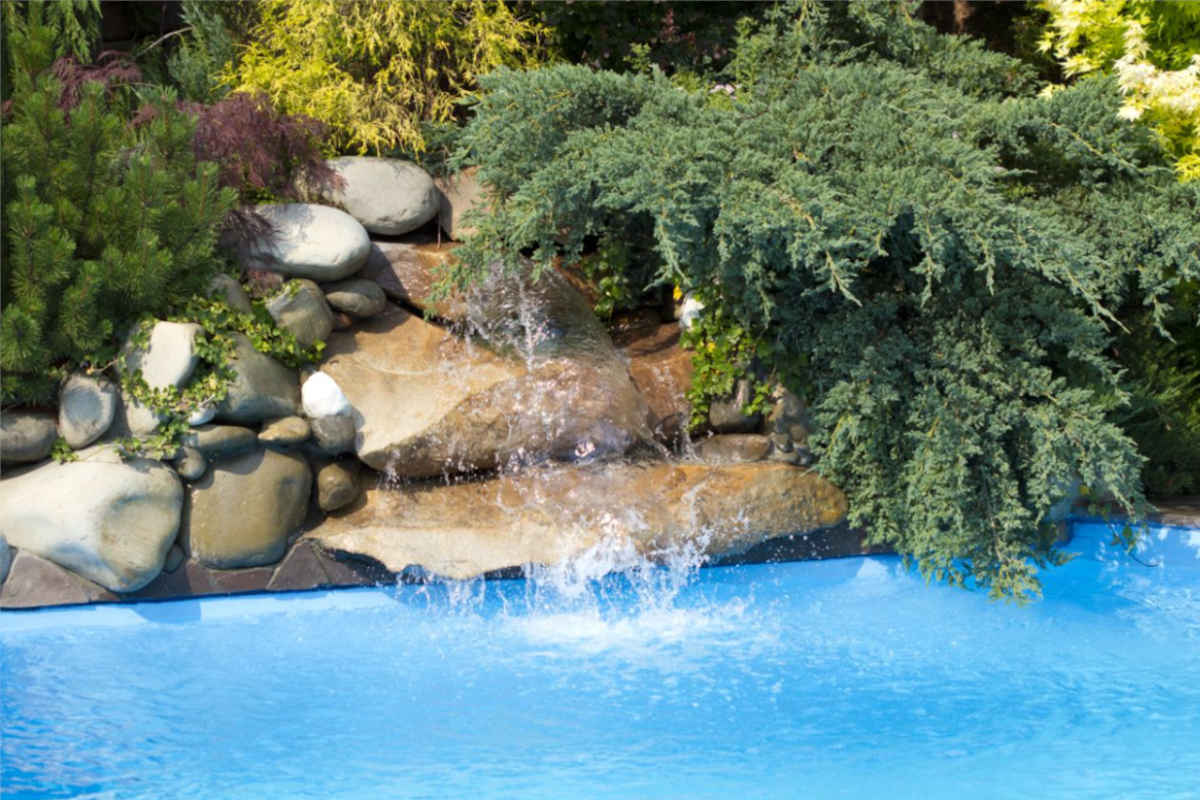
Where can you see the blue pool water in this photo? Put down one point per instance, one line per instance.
(847, 678)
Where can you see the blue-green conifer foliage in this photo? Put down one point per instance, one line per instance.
(931, 250)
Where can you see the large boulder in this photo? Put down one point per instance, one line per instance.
(300, 308)
(307, 241)
(86, 407)
(26, 436)
(387, 195)
(262, 388)
(241, 512)
(109, 520)
(426, 401)
(548, 516)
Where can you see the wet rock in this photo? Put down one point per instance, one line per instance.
(788, 417)
(300, 308)
(308, 241)
(547, 516)
(285, 431)
(34, 582)
(86, 407)
(226, 288)
(459, 193)
(26, 436)
(662, 371)
(190, 464)
(387, 195)
(106, 519)
(220, 441)
(733, 448)
(726, 416)
(465, 407)
(357, 297)
(262, 388)
(337, 485)
(241, 512)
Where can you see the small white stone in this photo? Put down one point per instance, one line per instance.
(322, 397)
(689, 312)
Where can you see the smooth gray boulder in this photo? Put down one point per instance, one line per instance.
(241, 512)
(106, 519)
(357, 297)
(300, 307)
(387, 195)
(334, 434)
(190, 463)
(86, 408)
(262, 388)
(308, 241)
(225, 287)
(26, 436)
(219, 441)
(337, 486)
(169, 357)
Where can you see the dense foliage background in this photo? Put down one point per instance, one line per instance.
(979, 268)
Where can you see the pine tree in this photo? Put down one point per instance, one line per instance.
(107, 215)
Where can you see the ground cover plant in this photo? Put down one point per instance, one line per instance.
(926, 249)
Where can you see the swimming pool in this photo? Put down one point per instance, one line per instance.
(843, 678)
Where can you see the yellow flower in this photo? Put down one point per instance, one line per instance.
(677, 294)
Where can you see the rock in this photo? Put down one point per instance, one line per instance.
(308, 241)
(662, 371)
(109, 520)
(174, 558)
(220, 441)
(133, 419)
(308, 566)
(788, 417)
(190, 464)
(465, 407)
(26, 436)
(547, 516)
(241, 512)
(169, 357)
(407, 274)
(204, 414)
(285, 431)
(387, 195)
(725, 416)
(357, 297)
(225, 287)
(337, 485)
(300, 307)
(334, 434)
(34, 582)
(460, 193)
(733, 448)
(322, 397)
(86, 407)
(262, 388)
(342, 320)
(5, 558)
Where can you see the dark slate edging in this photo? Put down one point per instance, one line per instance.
(42, 584)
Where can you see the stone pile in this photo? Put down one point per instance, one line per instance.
(428, 436)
